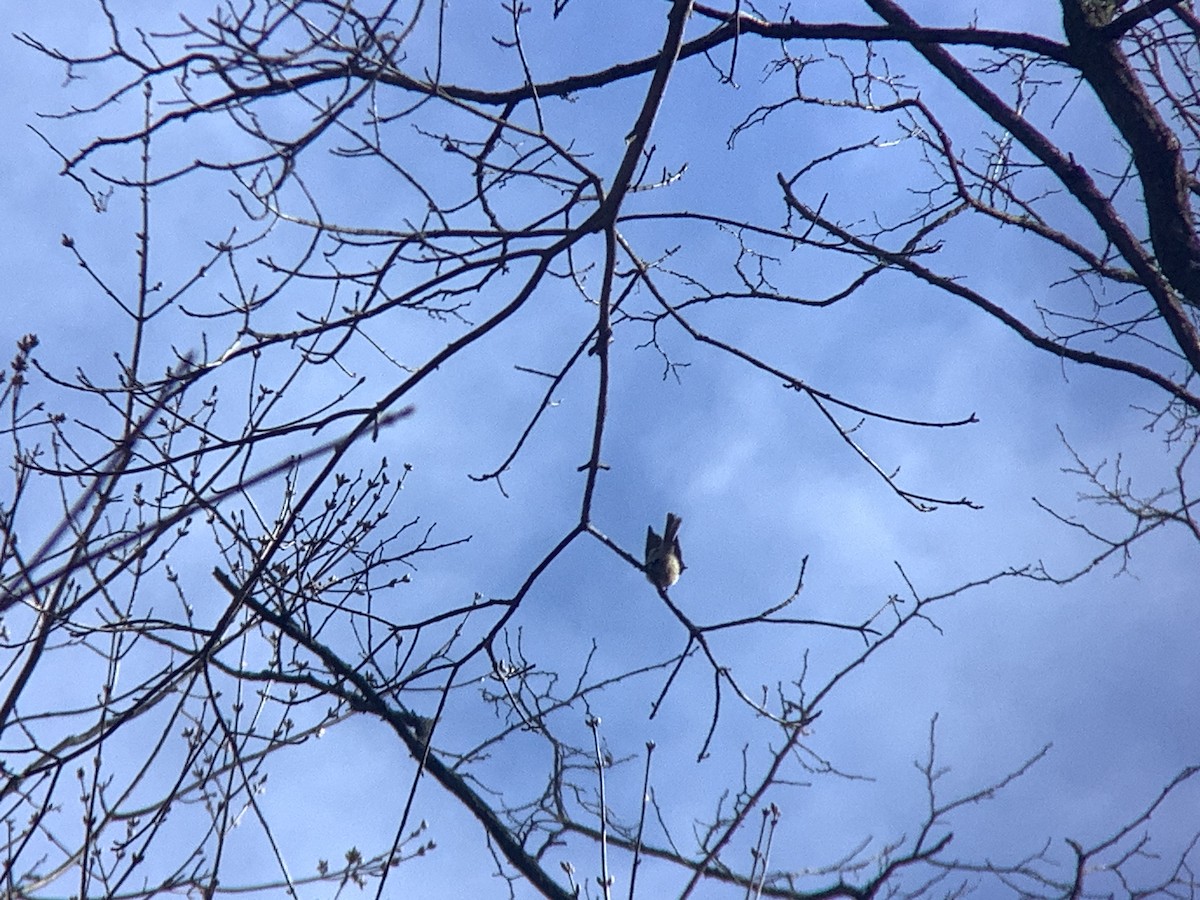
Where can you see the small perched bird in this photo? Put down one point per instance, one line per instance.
(664, 559)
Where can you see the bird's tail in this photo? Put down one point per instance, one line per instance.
(671, 529)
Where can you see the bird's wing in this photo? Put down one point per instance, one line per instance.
(652, 541)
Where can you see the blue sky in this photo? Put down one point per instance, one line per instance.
(1104, 668)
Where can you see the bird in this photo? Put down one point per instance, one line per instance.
(664, 559)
